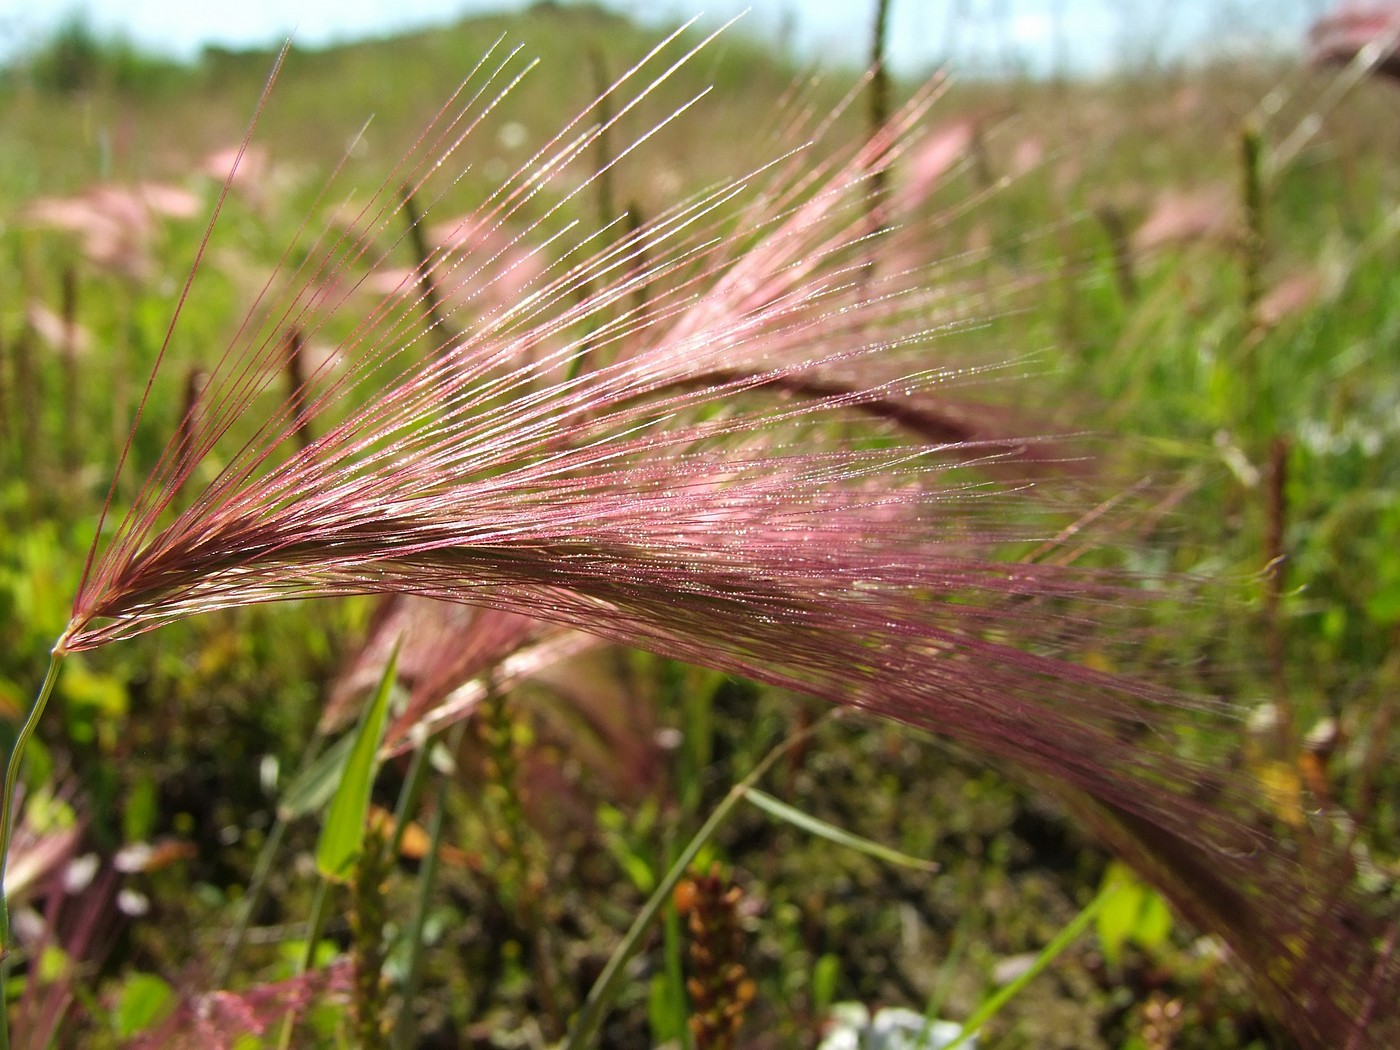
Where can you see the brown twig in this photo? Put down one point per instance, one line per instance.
(191, 419)
(1275, 572)
(444, 336)
(297, 389)
(879, 112)
(1111, 219)
(1252, 194)
(603, 154)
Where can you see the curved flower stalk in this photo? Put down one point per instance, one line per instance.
(618, 464)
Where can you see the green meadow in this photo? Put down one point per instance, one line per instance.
(1184, 281)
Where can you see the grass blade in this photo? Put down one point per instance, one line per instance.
(609, 982)
(820, 828)
(342, 836)
(1062, 940)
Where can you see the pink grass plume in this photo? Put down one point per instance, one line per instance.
(1368, 33)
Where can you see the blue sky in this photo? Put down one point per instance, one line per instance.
(1087, 35)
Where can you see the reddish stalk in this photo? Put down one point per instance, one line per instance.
(297, 384)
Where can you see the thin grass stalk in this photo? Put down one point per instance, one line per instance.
(1062, 940)
(406, 1031)
(7, 822)
(1252, 194)
(603, 162)
(604, 157)
(636, 223)
(187, 437)
(1373, 1006)
(1366, 786)
(320, 908)
(28, 393)
(963, 934)
(12, 768)
(779, 810)
(248, 904)
(262, 871)
(120, 417)
(520, 853)
(7, 413)
(879, 112)
(431, 298)
(606, 988)
(297, 381)
(68, 356)
(411, 792)
(673, 961)
(1115, 228)
(1275, 583)
(5, 963)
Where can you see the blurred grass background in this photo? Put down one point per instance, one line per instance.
(1244, 358)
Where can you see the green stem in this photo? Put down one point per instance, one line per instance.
(4, 1001)
(317, 922)
(251, 899)
(11, 779)
(609, 982)
(673, 946)
(410, 794)
(406, 1033)
(1048, 954)
(7, 819)
(262, 870)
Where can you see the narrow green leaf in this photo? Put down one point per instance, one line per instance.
(1048, 954)
(343, 834)
(610, 982)
(315, 786)
(814, 826)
